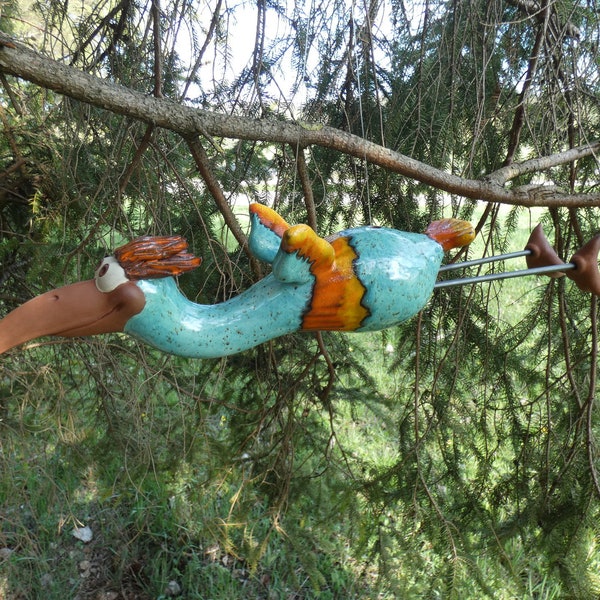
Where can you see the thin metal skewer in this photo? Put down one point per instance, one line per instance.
(483, 261)
(542, 260)
(505, 275)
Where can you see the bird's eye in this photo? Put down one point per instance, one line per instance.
(109, 275)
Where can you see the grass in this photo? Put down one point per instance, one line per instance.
(177, 509)
(158, 525)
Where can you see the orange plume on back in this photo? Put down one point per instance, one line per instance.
(451, 233)
(151, 257)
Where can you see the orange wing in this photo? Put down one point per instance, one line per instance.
(336, 302)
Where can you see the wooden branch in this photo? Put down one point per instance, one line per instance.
(593, 378)
(13, 97)
(309, 198)
(189, 122)
(104, 22)
(200, 56)
(156, 34)
(141, 149)
(532, 8)
(205, 169)
(519, 116)
(501, 176)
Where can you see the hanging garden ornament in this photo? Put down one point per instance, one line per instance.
(361, 279)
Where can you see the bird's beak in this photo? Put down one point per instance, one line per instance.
(74, 310)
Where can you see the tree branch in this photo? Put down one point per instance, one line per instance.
(519, 116)
(504, 174)
(309, 198)
(158, 63)
(204, 168)
(188, 122)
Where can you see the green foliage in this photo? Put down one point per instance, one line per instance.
(463, 464)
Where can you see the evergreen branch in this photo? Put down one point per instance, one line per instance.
(592, 394)
(519, 116)
(103, 23)
(533, 165)
(205, 169)
(200, 55)
(135, 162)
(13, 97)
(158, 63)
(24, 63)
(309, 198)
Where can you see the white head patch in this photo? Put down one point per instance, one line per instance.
(109, 275)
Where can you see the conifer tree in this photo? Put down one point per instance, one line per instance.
(120, 119)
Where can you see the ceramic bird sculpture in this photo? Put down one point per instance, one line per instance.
(362, 279)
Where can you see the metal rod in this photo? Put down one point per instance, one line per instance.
(505, 275)
(483, 261)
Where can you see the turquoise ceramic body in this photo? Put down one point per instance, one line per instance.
(397, 269)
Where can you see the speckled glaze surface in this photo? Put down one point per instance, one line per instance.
(398, 270)
(174, 324)
(361, 279)
(371, 278)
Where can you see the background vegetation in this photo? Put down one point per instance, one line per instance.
(454, 456)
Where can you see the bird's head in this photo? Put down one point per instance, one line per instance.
(103, 304)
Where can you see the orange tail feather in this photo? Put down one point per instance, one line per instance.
(451, 233)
